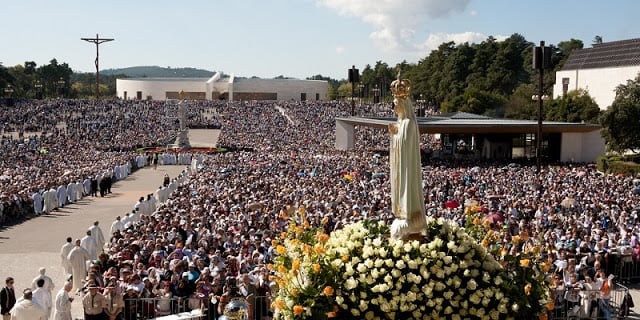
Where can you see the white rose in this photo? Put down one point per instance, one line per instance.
(361, 268)
(396, 273)
(447, 259)
(472, 285)
(400, 264)
(382, 252)
(351, 283)
(448, 310)
(389, 263)
(369, 315)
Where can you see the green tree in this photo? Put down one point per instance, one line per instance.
(575, 106)
(519, 105)
(620, 121)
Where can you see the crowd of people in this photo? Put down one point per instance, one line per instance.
(209, 235)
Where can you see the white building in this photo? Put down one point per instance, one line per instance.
(599, 70)
(221, 88)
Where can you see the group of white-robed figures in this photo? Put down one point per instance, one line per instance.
(37, 303)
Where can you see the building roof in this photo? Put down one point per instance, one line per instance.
(622, 53)
(461, 122)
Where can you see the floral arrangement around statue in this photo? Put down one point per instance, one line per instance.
(359, 272)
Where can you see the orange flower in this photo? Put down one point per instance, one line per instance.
(279, 304)
(316, 267)
(298, 310)
(306, 224)
(484, 242)
(550, 305)
(281, 250)
(345, 258)
(328, 291)
(527, 288)
(323, 237)
(319, 249)
(295, 265)
(274, 243)
(476, 221)
(283, 235)
(525, 263)
(282, 269)
(270, 266)
(299, 229)
(331, 314)
(294, 292)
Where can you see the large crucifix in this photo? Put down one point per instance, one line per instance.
(97, 40)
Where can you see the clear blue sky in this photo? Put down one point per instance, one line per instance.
(296, 38)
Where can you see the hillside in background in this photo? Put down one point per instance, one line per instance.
(158, 72)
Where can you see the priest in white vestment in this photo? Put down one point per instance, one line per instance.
(37, 203)
(27, 309)
(90, 244)
(63, 303)
(97, 234)
(71, 192)
(62, 196)
(78, 259)
(64, 255)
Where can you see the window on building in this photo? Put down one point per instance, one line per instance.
(317, 96)
(303, 96)
(139, 95)
(125, 95)
(565, 86)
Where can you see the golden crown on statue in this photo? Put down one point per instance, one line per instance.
(401, 88)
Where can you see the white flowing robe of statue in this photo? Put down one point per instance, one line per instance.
(64, 255)
(63, 306)
(407, 199)
(97, 234)
(90, 244)
(78, 258)
(37, 203)
(62, 196)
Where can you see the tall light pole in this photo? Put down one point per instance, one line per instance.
(354, 77)
(541, 61)
(61, 84)
(97, 40)
(38, 87)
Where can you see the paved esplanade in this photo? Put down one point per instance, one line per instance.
(36, 243)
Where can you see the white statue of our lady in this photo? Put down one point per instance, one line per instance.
(407, 199)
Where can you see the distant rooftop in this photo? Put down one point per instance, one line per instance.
(622, 53)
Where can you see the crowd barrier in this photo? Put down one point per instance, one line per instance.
(570, 304)
(159, 308)
(626, 269)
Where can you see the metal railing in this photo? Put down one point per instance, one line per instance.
(577, 303)
(186, 308)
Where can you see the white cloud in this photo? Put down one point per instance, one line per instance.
(436, 39)
(473, 13)
(339, 49)
(395, 21)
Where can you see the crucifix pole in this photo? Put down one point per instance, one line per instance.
(97, 40)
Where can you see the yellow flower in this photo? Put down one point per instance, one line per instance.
(525, 263)
(270, 266)
(279, 304)
(319, 249)
(306, 224)
(294, 292)
(295, 265)
(345, 258)
(323, 237)
(282, 269)
(298, 310)
(484, 242)
(316, 267)
(527, 288)
(476, 221)
(327, 291)
(299, 229)
(307, 249)
(274, 243)
(283, 235)
(281, 250)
